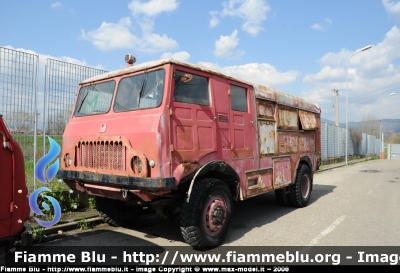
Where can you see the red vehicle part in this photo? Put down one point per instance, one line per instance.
(14, 203)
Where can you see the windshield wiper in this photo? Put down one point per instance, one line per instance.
(141, 90)
(91, 87)
(83, 100)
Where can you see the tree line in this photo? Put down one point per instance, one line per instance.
(23, 122)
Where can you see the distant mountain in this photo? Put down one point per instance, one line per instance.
(388, 125)
(327, 121)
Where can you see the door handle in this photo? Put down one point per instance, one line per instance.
(214, 118)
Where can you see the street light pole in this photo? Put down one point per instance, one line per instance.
(347, 91)
(380, 137)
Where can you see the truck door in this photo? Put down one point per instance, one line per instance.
(193, 118)
(243, 129)
(6, 182)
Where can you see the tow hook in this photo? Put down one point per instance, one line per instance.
(124, 193)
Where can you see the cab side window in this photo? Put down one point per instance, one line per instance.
(191, 88)
(238, 98)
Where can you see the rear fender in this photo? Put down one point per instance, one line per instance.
(305, 160)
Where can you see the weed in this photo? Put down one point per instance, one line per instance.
(67, 201)
(373, 157)
(92, 203)
(49, 214)
(65, 198)
(83, 224)
(73, 202)
(38, 234)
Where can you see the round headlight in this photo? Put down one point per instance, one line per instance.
(68, 160)
(136, 164)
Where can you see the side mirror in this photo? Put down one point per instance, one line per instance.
(186, 77)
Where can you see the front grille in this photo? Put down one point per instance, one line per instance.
(109, 155)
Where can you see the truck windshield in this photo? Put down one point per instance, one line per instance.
(140, 91)
(95, 99)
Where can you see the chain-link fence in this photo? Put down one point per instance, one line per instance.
(61, 84)
(62, 79)
(20, 104)
(18, 94)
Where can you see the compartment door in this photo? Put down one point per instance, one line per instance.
(6, 183)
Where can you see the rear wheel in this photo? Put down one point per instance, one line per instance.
(300, 191)
(206, 218)
(115, 212)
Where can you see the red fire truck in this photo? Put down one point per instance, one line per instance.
(189, 140)
(14, 203)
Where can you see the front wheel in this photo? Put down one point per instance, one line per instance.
(300, 191)
(206, 217)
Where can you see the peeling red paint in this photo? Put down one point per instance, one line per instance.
(308, 120)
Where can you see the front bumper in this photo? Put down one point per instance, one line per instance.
(130, 182)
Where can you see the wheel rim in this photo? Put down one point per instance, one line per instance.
(305, 186)
(214, 215)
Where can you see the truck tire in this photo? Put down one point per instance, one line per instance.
(206, 217)
(282, 198)
(300, 191)
(116, 213)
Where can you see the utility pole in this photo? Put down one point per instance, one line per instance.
(336, 107)
(337, 121)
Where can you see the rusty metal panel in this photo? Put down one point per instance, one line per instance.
(266, 131)
(261, 91)
(306, 142)
(293, 101)
(241, 153)
(287, 142)
(265, 162)
(288, 118)
(264, 92)
(265, 109)
(258, 182)
(294, 161)
(282, 172)
(308, 121)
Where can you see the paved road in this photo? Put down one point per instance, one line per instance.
(356, 205)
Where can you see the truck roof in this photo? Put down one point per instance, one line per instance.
(260, 91)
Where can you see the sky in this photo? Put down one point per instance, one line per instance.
(306, 48)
